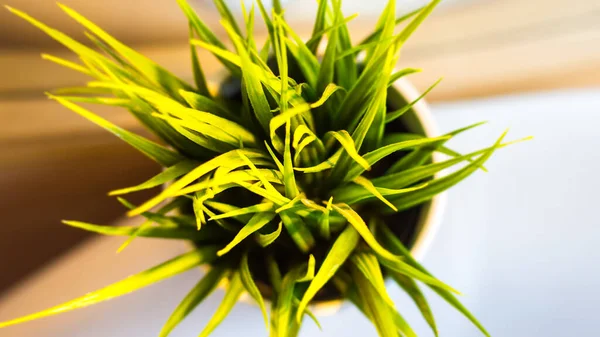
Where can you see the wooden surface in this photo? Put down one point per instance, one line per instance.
(43, 184)
(508, 46)
(482, 48)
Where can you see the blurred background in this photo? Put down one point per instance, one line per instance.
(55, 165)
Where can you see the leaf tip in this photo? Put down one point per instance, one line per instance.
(122, 201)
(122, 247)
(64, 7)
(68, 222)
(11, 9)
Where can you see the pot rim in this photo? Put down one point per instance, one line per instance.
(431, 215)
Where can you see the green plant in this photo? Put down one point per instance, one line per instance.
(285, 191)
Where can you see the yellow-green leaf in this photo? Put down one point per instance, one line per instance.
(412, 289)
(388, 259)
(376, 307)
(165, 270)
(165, 176)
(152, 150)
(436, 186)
(258, 208)
(205, 34)
(209, 166)
(120, 102)
(205, 103)
(254, 87)
(376, 155)
(258, 221)
(233, 293)
(202, 289)
(162, 232)
(266, 239)
(233, 177)
(227, 16)
(391, 116)
(68, 64)
(348, 144)
(394, 244)
(401, 73)
(283, 310)
(251, 288)
(199, 77)
(298, 230)
(151, 70)
(368, 185)
(368, 265)
(310, 271)
(343, 246)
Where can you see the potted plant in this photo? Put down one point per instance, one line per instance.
(302, 178)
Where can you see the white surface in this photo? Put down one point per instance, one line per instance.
(519, 242)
